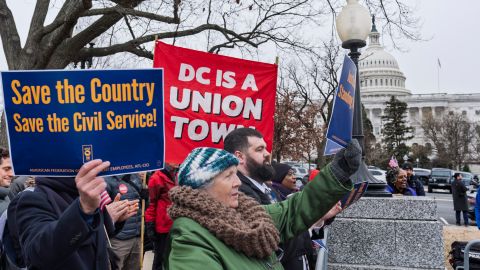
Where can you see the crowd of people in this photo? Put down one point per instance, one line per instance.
(225, 208)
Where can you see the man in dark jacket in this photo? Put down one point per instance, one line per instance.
(254, 166)
(460, 199)
(126, 243)
(412, 179)
(254, 169)
(60, 224)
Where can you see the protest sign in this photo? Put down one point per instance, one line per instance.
(339, 131)
(58, 120)
(209, 95)
(357, 192)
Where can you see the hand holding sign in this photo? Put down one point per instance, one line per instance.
(90, 186)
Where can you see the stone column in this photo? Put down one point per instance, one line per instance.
(387, 233)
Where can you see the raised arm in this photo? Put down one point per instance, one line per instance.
(300, 211)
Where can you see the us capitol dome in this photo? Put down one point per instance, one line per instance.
(380, 74)
(381, 78)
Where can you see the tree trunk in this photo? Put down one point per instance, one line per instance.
(320, 156)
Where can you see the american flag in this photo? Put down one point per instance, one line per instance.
(393, 163)
(104, 199)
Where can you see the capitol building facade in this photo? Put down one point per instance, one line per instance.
(381, 78)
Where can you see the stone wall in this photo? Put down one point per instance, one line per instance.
(387, 233)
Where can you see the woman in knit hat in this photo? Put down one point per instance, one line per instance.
(217, 227)
(283, 182)
(298, 251)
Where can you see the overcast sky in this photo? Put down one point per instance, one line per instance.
(450, 26)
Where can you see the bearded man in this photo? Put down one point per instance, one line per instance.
(254, 166)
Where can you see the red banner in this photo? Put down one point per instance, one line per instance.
(207, 96)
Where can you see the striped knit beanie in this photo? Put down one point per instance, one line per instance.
(203, 164)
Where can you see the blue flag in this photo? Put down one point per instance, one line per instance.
(339, 131)
(58, 120)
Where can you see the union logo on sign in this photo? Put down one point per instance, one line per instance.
(87, 153)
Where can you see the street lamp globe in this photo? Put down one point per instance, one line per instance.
(353, 25)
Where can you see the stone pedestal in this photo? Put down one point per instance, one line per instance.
(387, 233)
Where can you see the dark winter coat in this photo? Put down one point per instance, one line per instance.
(416, 185)
(460, 198)
(281, 192)
(251, 190)
(133, 183)
(55, 233)
(298, 246)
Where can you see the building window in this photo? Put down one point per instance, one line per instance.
(464, 112)
(376, 82)
(477, 112)
(391, 82)
(381, 81)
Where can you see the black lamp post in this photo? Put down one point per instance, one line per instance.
(353, 26)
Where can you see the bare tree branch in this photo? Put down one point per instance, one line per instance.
(130, 11)
(9, 34)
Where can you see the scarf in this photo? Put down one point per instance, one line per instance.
(282, 191)
(247, 229)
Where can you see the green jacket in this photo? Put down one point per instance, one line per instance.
(193, 247)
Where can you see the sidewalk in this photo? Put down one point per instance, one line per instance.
(457, 233)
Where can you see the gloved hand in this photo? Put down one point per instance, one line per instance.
(151, 233)
(347, 161)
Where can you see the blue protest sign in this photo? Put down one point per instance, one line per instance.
(339, 131)
(58, 120)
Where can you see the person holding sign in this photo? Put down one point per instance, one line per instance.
(217, 227)
(60, 224)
